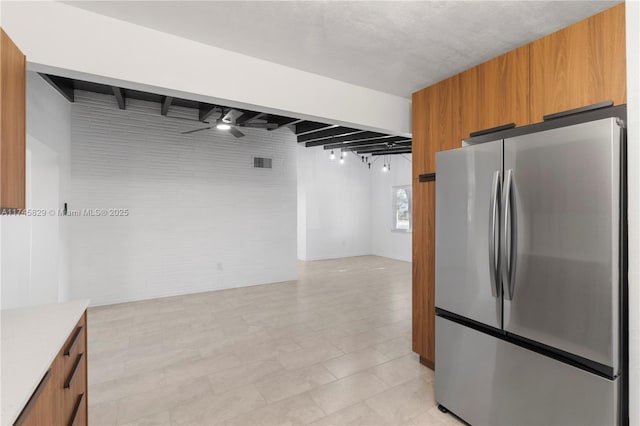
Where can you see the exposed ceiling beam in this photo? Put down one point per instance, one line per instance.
(372, 141)
(248, 116)
(324, 135)
(377, 146)
(311, 126)
(205, 111)
(392, 152)
(256, 117)
(166, 103)
(357, 137)
(288, 123)
(64, 86)
(119, 94)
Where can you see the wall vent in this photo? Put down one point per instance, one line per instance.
(262, 163)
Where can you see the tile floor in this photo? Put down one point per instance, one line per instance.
(333, 348)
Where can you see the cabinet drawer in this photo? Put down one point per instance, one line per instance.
(73, 386)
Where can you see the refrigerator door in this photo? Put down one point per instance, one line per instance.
(467, 208)
(560, 239)
(488, 381)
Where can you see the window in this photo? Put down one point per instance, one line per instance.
(401, 208)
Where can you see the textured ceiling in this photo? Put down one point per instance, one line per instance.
(396, 47)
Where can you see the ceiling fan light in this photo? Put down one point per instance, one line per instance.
(223, 126)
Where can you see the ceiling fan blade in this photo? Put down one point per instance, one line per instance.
(195, 130)
(235, 132)
(232, 115)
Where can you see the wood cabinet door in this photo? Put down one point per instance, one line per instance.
(580, 65)
(436, 123)
(423, 282)
(496, 92)
(13, 101)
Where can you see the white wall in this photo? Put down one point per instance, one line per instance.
(633, 153)
(35, 249)
(71, 41)
(201, 217)
(334, 208)
(384, 242)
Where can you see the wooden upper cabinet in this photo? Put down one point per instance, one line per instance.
(496, 92)
(436, 123)
(580, 65)
(12, 124)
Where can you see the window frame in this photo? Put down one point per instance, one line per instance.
(394, 208)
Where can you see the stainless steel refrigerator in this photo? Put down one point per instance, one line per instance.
(531, 274)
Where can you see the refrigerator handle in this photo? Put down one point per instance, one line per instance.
(508, 237)
(494, 220)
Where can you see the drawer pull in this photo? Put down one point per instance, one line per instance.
(73, 343)
(67, 383)
(27, 408)
(76, 409)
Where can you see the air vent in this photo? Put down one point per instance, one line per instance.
(261, 163)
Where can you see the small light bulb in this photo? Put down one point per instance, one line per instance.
(341, 160)
(384, 168)
(332, 156)
(223, 126)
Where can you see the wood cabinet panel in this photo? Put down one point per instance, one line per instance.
(496, 92)
(12, 124)
(423, 283)
(436, 123)
(580, 65)
(419, 125)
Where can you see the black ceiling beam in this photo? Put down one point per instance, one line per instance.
(310, 126)
(120, 98)
(372, 141)
(291, 121)
(326, 134)
(377, 146)
(63, 85)
(166, 103)
(392, 152)
(248, 116)
(357, 137)
(205, 111)
(380, 148)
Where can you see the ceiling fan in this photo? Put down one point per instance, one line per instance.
(227, 121)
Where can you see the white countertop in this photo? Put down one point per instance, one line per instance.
(30, 339)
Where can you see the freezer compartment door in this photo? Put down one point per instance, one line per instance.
(488, 381)
(562, 239)
(467, 221)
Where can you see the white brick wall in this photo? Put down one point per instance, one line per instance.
(201, 217)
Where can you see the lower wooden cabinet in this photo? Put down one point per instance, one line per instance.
(423, 282)
(61, 396)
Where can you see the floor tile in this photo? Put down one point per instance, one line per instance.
(281, 386)
(297, 410)
(212, 409)
(400, 370)
(347, 391)
(356, 415)
(400, 404)
(353, 362)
